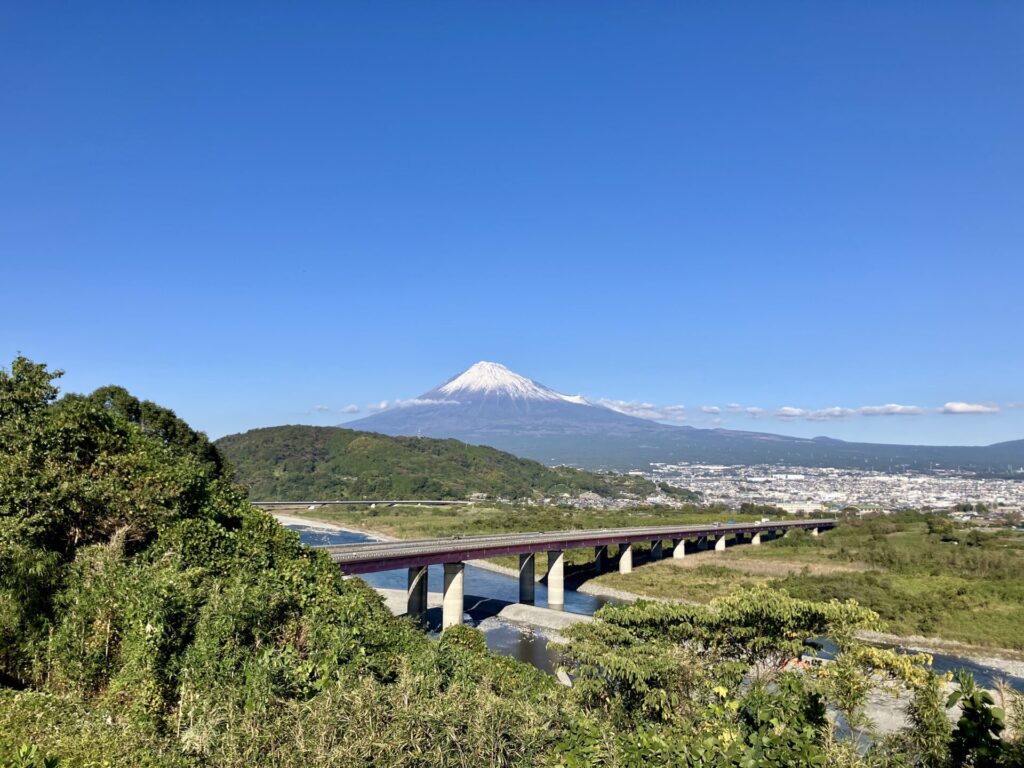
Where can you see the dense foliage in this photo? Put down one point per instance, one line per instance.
(299, 463)
(150, 616)
(728, 684)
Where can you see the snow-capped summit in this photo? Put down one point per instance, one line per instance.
(490, 404)
(485, 379)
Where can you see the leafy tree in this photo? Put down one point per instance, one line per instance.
(159, 423)
(976, 738)
(939, 526)
(28, 756)
(927, 736)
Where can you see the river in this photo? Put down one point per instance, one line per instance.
(487, 592)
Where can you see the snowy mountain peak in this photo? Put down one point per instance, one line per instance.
(495, 380)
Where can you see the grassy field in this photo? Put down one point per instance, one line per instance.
(919, 582)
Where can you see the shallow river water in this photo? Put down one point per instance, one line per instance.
(487, 592)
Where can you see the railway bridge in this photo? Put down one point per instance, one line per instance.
(453, 552)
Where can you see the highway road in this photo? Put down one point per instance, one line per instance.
(381, 556)
(363, 503)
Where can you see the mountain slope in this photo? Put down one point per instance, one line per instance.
(294, 463)
(490, 405)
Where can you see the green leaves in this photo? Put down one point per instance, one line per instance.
(976, 738)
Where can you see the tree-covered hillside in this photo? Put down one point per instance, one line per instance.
(299, 462)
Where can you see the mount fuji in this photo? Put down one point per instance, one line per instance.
(488, 404)
(491, 405)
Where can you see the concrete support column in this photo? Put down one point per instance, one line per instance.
(814, 531)
(556, 578)
(600, 559)
(454, 593)
(625, 558)
(755, 540)
(657, 550)
(679, 549)
(720, 544)
(527, 578)
(417, 593)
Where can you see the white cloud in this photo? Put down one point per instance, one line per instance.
(890, 409)
(321, 409)
(385, 405)
(422, 401)
(790, 413)
(958, 407)
(350, 409)
(817, 414)
(671, 413)
(750, 410)
(710, 409)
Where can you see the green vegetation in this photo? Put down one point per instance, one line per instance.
(331, 463)
(690, 685)
(150, 616)
(918, 572)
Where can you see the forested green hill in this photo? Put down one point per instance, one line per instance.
(300, 462)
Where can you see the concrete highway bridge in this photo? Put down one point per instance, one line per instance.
(362, 503)
(452, 553)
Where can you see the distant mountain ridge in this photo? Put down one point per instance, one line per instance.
(487, 404)
(300, 463)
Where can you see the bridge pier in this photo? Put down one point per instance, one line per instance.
(814, 531)
(556, 578)
(678, 549)
(625, 558)
(720, 544)
(657, 550)
(417, 594)
(454, 594)
(755, 540)
(600, 560)
(527, 578)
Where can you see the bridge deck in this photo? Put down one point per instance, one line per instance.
(391, 555)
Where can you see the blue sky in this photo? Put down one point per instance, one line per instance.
(262, 213)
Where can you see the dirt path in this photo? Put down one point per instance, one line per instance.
(762, 566)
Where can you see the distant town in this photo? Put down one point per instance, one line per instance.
(805, 490)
